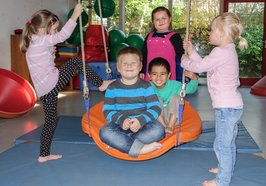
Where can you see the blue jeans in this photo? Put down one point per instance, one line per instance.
(128, 142)
(227, 120)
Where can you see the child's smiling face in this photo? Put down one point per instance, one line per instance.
(161, 21)
(159, 76)
(129, 66)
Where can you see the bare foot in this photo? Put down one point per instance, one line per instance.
(214, 170)
(150, 147)
(209, 183)
(42, 159)
(105, 84)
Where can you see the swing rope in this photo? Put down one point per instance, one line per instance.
(85, 82)
(108, 69)
(183, 87)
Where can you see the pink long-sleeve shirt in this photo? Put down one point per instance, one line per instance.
(222, 69)
(40, 58)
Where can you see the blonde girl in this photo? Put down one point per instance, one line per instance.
(222, 69)
(38, 39)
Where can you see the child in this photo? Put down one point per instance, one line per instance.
(168, 91)
(222, 69)
(38, 40)
(131, 107)
(162, 42)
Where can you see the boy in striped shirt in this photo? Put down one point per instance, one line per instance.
(132, 108)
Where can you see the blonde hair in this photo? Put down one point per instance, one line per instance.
(40, 19)
(232, 26)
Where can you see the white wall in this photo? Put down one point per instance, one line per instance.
(15, 13)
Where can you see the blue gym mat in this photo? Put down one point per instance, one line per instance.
(245, 143)
(87, 165)
(69, 131)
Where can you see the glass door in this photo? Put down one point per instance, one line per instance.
(253, 60)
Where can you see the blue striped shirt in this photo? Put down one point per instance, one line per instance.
(131, 101)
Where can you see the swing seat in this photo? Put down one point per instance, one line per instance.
(190, 130)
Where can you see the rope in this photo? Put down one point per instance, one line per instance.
(183, 88)
(108, 69)
(183, 91)
(85, 82)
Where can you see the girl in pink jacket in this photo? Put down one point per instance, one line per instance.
(38, 39)
(222, 69)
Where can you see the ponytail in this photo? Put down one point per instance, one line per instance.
(243, 44)
(26, 37)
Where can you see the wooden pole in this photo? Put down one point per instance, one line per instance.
(90, 12)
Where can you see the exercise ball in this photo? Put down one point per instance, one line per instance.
(115, 49)
(75, 37)
(107, 6)
(17, 96)
(84, 17)
(135, 40)
(116, 36)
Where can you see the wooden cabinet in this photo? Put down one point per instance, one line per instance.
(19, 64)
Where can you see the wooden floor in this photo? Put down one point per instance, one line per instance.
(71, 103)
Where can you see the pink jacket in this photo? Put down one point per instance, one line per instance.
(222, 70)
(40, 58)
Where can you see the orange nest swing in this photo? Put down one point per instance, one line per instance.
(190, 130)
